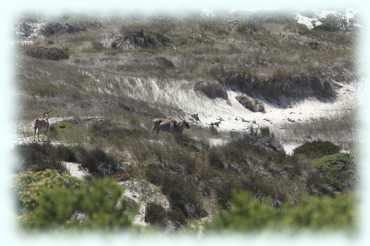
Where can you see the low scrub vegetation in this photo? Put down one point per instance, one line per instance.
(249, 214)
(316, 149)
(56, 28)
(211, 89)
(269, 58)
(155, 215)
(281, 87)
(189, 172)
(38, 157)
(338, 129)
(47, 53)
(48, 200)
(68, 132)
(338, 171)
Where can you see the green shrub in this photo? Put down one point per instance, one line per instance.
(254, 164)
(49, 200)
(99, 163)
(183, 195)
(250, 214)
(321, 213)
(337, 171)
(30, 185)
(246, 213)
(316, 149)
(47, 53)
(155, 214)
(172, 169)
(37, 157)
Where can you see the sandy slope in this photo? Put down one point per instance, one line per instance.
(235, 117)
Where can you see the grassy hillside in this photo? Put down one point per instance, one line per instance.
(271, 57)
(101, 79)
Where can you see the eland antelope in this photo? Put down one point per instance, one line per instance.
(169, 125)
(41, 125)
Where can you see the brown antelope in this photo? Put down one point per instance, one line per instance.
(169, 125)
(41, 124)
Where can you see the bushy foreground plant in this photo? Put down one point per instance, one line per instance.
(248, 213)
(50, 200)
(337, 170)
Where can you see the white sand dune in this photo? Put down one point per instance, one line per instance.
(233, 116)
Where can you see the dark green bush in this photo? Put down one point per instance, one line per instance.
(316, 149)
(177, 217)
(214, 158)
(47, 53)
(155, 214)
(37, 157)
(54, 28)
(98, 163)
(183, 195)
(144, 39)
(337, 171)
(178, 185)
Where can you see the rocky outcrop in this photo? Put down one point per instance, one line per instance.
(264, 141)
(211, 89)
(25, 29)
(141, 39)
(250, 103)
(281, 88)
(136, 39)
(153, 204)
(61, 28)
(47, 53)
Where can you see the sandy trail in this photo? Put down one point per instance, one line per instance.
(25, 129)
